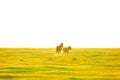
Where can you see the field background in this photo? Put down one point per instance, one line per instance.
(44, 64)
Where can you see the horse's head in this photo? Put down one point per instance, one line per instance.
(61, 44)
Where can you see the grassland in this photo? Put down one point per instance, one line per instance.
(43, 64)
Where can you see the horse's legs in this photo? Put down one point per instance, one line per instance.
(57, 52)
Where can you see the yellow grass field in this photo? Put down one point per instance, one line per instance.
(43, 64)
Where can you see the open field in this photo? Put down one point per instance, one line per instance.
(43, 64)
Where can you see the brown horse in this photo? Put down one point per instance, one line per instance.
(66, 49)
(59, 49)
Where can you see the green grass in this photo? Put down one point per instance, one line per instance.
(43, 64)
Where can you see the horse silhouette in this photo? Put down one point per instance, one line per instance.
(59, 49)
(66, 50)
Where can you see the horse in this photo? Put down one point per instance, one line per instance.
(59, 49)
(66, 49)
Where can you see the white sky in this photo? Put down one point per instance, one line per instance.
(46, 23)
